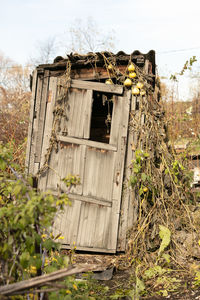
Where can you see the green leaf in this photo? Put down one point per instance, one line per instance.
(146, 154)
(140, 287)
(165, 235)
(154, 271)
(17, 189)
(164, 293)
(10, 240)
(2, 164)
(133, 180)
(136, 170)
(24, 259)
(38, 263)
(48, 244)
(143, 177)
(166, 257)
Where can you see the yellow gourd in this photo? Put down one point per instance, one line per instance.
(135, 91)
(132, 74)
(131, 68)
(128, 82)
(108, 81)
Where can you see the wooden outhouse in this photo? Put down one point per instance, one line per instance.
(79, 126)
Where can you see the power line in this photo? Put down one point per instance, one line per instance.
(177, 50)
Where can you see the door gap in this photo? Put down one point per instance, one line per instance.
(101, 118)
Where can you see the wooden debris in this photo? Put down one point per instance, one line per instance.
(43, 280)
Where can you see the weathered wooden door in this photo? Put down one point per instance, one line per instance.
(91, 221)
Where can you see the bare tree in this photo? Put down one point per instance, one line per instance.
(45, 51)
(14, 105)
(87, 37)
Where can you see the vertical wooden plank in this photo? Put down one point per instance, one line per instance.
(79, 106)
(101, 233)
(31, 120)
(77, 113)
(53, 178)
(115, 125)
(127, 211)
(51, 99)
(41, 120)
(71, 162)
(65, 221)
(89, 238)
(35, 124)
(74, 223)
(79, 167)
(83, 224)
(71, 111)
(98, 175)
(119, 170)
(87, 114)
(49, 117)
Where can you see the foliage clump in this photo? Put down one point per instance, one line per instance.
(166, 205)
(26, 220)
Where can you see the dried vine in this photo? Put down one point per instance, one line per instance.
(59, 113)
(162, 187)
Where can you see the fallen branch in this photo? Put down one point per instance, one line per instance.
(13, 288)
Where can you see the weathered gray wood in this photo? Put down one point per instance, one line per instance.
(98, 175)
(51, 98)
(87, 114)
(53, 177)
(96, 86)
(119, 170)
(97, 225)
(92, 219)
(92, 144)
(47, 129)
(146, 66)
(116, 118)
(71, 162)
(77, 119)
(36, 168)
(30, 127)
(83, 222)
(102, 227)
(126, 204)
(86, 225)
(35, 123)
(93, 200)
(72, 223)
(94, 227)
(92, 249)
(41, 120)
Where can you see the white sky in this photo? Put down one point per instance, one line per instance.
(162, 25)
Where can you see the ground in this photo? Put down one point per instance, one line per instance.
(122, 278)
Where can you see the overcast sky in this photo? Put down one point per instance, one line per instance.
(170, 27)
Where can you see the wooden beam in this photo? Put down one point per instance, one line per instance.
(93, 144)
(30, 128)
(93, 249)
(13, 288)
(87, 199)
(41, 118)
(97, 86)
(90, 200)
